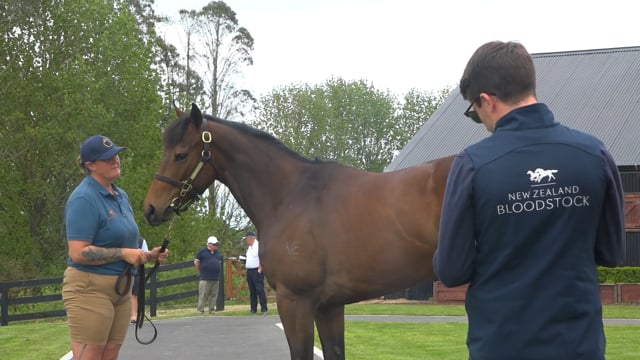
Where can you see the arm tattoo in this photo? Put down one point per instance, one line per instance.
(102, 255)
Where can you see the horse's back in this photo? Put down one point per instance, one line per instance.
(352, 202)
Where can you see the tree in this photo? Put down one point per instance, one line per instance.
(217, 49)
(177, 83)
(69, 69)
(418, 106)
(350, 122)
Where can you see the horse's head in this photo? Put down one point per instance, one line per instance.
(186, 169)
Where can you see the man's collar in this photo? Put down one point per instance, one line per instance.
(531, 116)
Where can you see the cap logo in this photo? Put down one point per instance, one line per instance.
(106, 142)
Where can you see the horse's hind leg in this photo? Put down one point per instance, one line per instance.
(296, 314)
(330, 324)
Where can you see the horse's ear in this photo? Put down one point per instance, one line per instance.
(179, 112)
(196, 115)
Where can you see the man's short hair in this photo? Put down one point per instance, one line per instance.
(504, 69)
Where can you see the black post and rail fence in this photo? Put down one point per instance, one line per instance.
(42, 298)
(26, 294)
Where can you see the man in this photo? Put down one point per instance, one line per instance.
(528, 213)
(208, 262)
(255, 277)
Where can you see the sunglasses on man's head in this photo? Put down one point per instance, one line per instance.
(471, 113)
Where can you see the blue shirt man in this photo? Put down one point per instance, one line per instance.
(208, 263)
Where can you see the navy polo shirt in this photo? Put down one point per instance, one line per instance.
(210, 264)
(94, 215)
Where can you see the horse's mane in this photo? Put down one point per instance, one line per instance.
(176, 131)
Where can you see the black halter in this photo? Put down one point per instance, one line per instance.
(187, 194)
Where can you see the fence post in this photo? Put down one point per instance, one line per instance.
(221, 287)
(228, 278)
(4, 300)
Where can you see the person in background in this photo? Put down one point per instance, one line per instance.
(102, 239)
(255, 277)
(528, 213)
(142, 244)
(208, 263)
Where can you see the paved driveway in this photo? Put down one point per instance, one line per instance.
(230, 337)
(210, 337)
(242, 337)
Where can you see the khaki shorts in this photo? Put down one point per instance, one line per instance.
(95, 313)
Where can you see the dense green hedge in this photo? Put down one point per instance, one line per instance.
(627, 274)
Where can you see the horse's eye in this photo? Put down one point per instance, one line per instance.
(181, 157)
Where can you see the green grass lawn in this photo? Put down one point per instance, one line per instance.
(43, 340)
(443, 341)
(446, 341)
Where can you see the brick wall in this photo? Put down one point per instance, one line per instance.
(609, 294)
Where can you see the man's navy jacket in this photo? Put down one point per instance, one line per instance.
(528, 213)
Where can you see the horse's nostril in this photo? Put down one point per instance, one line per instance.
(151, 216)
(149, 213)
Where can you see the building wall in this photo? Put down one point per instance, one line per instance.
(630, 176)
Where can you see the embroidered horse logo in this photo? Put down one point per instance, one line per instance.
(540, 174)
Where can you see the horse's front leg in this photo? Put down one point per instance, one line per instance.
(296, 314)
(330, 324)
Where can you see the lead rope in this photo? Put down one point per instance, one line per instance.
(140, 316)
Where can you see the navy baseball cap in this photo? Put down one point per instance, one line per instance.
(98, 147)
(249, 233)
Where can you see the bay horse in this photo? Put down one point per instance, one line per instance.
(329, 234)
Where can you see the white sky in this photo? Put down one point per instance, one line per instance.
(401, 44)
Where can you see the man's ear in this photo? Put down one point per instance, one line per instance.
(487, 99)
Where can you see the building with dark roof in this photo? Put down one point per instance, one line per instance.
(595, 91)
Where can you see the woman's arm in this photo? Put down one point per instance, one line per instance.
(83, 252)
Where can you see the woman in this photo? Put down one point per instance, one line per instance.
(102, 238)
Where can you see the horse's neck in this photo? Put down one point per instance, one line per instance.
(260, 179)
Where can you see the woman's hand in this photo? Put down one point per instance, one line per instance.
(134, 257)
(155, 255)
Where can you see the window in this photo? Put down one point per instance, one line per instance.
(632, 211)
